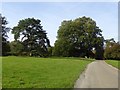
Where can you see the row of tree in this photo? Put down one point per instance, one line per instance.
(76, 38)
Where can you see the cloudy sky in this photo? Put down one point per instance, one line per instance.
(53, 13)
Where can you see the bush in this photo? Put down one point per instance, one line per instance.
(112, 51)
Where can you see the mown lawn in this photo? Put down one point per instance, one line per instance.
(30, 72)
(115, 63)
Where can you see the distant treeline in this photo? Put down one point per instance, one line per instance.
(75, 38)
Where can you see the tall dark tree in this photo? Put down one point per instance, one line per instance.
(4, 36)
(30, 32)
(78, 37)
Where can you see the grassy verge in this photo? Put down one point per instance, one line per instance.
(29, 72)
(114, 63)
(0, 72)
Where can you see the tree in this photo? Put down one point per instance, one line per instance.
(112, 50)
(4, 36)
(78, 37)
(34, 39)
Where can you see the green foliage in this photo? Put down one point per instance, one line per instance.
(78, 37)
(61, 48)
(99, 48)
(33, 37)
(3, 34)
(112, 50)
(5, 48)
(29, 72)
(16, 47)
(50, 51)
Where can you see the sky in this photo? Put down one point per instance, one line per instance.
(52, 14)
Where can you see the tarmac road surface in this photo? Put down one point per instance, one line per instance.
(98, 74)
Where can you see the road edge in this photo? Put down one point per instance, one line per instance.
(81, 77)
(111, 65)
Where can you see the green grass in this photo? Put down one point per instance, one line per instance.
(0, 72)
(114, 63)
(30, 72)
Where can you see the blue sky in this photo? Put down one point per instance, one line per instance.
(53, 13)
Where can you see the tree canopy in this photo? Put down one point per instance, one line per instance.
(4, 36)
(112, 50)
(34, 39)
(78, 38)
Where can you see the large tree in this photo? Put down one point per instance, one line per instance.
(78, 38)
(30, 32)
(4, 36)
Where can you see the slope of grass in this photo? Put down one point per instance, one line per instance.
(114, 63)
(30, 72)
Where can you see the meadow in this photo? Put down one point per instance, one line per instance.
(31, 72)
(115, 63)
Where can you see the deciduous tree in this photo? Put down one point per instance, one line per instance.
(78, 37)
(112, 50)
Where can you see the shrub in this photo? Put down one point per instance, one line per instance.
(112, 51)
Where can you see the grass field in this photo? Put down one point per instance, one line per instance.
(114, 63)
(30, 72)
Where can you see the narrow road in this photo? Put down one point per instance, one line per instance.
(98, 75)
